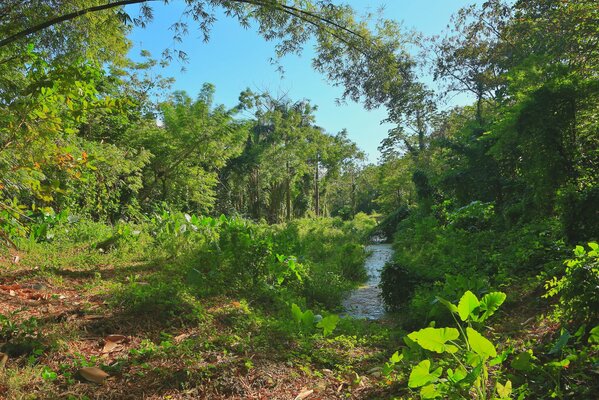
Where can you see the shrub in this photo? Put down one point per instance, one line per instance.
(577, 288)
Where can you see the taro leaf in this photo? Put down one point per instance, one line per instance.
(450, 306)
(522, 361)
(429, 392)
(297, 313)
(561, 342)
(308, 319)
(500, 358)
(594, 335)
(490, 303)
(504, 391)
(395, 358)
(435, 339)
(481, 345)
(457, 375)
(421, 374)
(467, 304)
(93, 374)
(328, 324)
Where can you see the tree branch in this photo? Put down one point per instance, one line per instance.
(304, 15)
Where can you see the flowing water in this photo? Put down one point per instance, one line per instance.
(366, 301)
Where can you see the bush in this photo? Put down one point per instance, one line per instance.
(577, 288)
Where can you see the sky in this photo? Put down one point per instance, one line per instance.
(236, 58)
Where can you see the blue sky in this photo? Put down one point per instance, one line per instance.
(235, 59)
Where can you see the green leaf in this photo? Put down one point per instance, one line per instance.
(504, 391)
(297, 313)
(459, 374)
(396, 357)
(522, 361)
(452, 307)
(559, 364)
(435, 339)
(308, 319)
(490, 303)
(328, 324)
(421, 374)
(500, 358)
(561, 342)
(467, 304)
(594, 335)
(429, 392)
(481, 345)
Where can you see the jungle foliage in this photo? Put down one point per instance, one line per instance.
(102, 164)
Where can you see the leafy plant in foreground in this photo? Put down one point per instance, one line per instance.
(463, 370)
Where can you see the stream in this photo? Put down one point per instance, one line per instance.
(365, 301)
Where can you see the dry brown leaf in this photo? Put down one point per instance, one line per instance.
(110, 347)
(3, 360)
(116, 338)
(304, 394)
(93, 316)
(181, 337)
(93, 374)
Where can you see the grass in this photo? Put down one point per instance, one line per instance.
(64, 298)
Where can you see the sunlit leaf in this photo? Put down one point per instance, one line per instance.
(421, 374)
(435, 339)
(481, 345)
(468, 303)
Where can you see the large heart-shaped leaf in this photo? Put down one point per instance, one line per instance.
(328, 324)
(490, 303)
(481, 345)
(421, 374)
(435, 339)
(504, 391)
(297, 313)
(468, 303)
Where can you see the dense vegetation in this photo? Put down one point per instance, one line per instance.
(164, 246)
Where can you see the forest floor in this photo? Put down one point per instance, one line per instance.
(61, 320)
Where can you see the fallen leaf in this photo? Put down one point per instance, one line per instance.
(181, 337)
(93, 374)
(93, 316)
(15, 286)
(3, 360)
(110, 347)
(304, 394)
(12, 293)
(116, 338)
(16, 259)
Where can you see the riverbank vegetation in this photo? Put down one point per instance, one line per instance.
(155, 245)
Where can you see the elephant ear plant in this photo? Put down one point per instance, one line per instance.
(462, 369)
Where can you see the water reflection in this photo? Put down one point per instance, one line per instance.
(365, 301)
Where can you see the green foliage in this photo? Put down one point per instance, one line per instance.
(466, 354)
(577, 287)
(306, 321)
